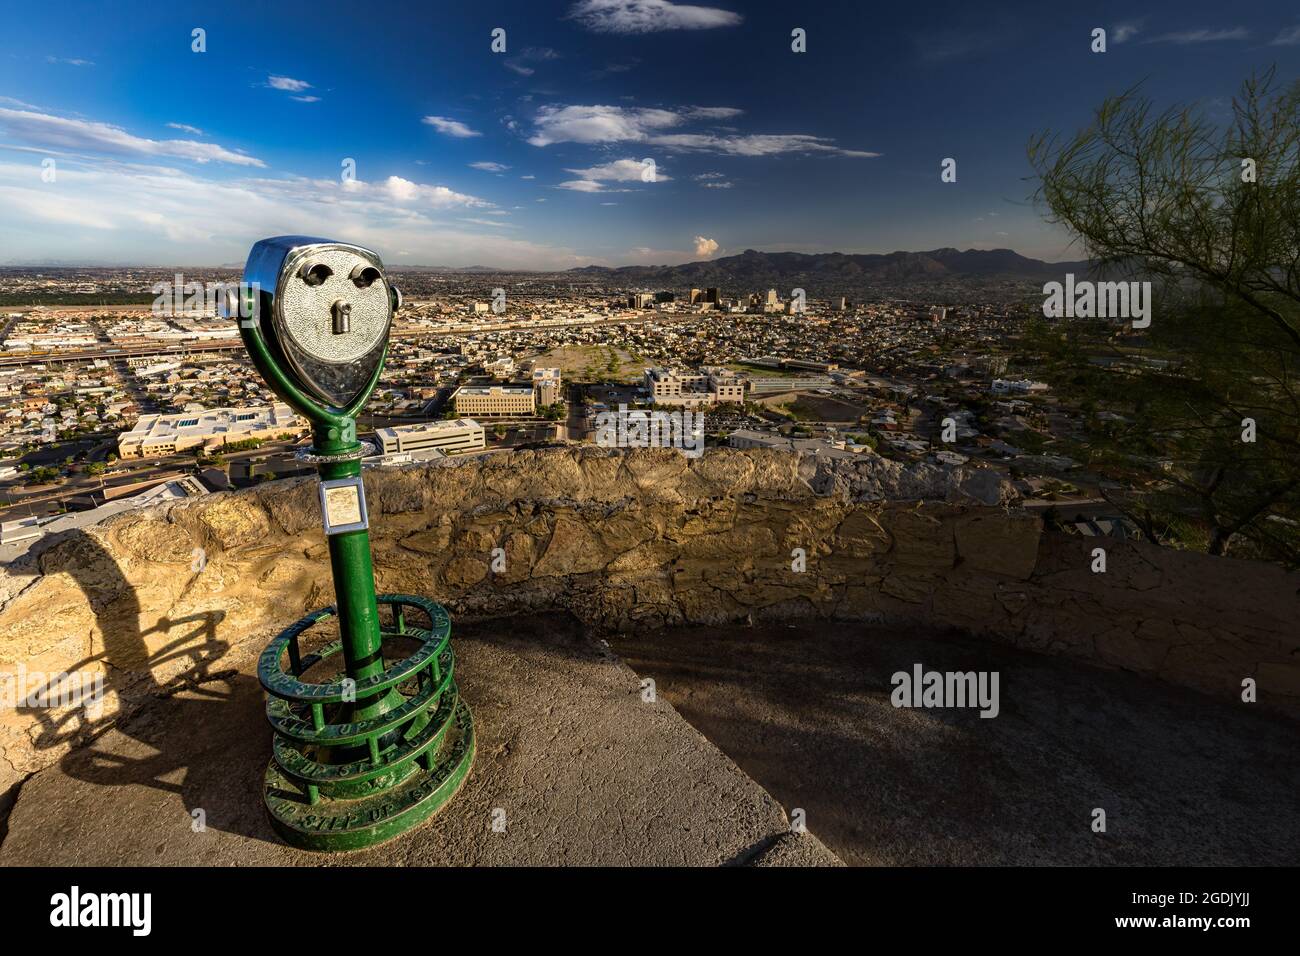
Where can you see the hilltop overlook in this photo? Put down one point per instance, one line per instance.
(636, 552)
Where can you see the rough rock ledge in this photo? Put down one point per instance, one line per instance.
(167, 599)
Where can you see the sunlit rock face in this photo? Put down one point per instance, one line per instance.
(631, 539)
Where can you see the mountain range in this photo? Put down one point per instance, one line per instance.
(751, 268)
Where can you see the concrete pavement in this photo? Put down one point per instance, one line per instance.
(582, 770)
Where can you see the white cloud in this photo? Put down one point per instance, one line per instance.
(489, 167)
(1185, 37)
(287, 83)
(70, 61)
(756, 145)
(529, 176)
(1123, 32)
(489, 222)
(450, 127)
(184, 128)
(306, 99)
(42, 129)
(591, 179)
(53, 207)
(1289, 37)
(582, 185)
(712, 112)
(648, 16)
(104, 211)
(598, 124)
(705, 247)
(620, 171)
(618, 124)
(610, 69)
(403, 190)
(532, 54)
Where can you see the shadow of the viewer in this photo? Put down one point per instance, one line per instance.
(173, 705)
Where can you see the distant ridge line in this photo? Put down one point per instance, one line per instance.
(751, 267)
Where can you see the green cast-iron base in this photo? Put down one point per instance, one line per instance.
(353, 824)
(359, 761)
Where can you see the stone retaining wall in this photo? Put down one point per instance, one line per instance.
(170, 597)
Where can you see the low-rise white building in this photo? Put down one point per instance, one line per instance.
(495, 401)
(210, 428)
(711, 385)
(1022, 386)
(429, 439)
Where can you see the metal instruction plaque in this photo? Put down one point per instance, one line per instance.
(343, 505)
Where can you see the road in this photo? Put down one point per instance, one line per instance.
(237, 345)
(44, 499)
(114, 354)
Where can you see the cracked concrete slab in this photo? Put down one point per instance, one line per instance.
(584, 770)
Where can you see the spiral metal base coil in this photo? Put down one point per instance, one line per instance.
(338, 781)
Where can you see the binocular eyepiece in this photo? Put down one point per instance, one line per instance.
(324, 310)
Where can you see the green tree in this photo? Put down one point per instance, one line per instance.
(1210, 214)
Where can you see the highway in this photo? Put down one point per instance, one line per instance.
(58, 356)
(18, 500)
(114, 354)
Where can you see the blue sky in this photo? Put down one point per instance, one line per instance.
(533, 158)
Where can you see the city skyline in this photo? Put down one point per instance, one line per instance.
(534, 158)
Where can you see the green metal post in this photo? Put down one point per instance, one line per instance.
(354, 576)
(359, 759)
